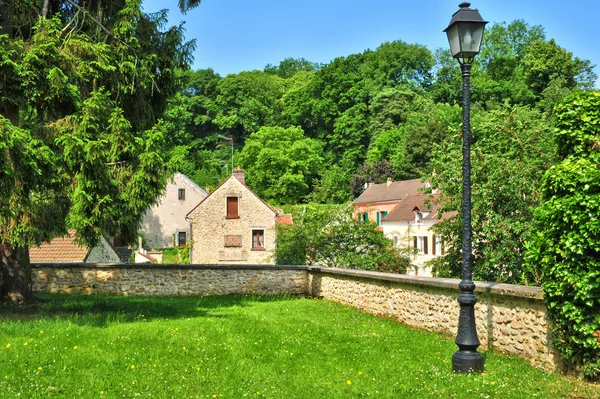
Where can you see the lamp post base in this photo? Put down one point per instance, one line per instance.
(464, 361)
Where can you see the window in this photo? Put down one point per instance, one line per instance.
(258, 239)
(181, 238)
(380, 216)
(232, 208)
(437, 246)
(419, 217)
(365, 217)
(421, 244)
(181, 194)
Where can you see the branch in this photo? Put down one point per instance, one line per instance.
(91, 17)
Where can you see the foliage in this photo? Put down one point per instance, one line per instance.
(81, 101)
(335, 239)
(332, 187)
(176, 255)
(567, 249)
(512, 148)
(281, 164)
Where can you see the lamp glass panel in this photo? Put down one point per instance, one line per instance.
(453, 40)
(470, 38)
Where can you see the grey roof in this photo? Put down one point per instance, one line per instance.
(394, 192)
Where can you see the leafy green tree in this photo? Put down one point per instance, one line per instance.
(512, 148)
(399, 64)
(567, 248)
(334, 239)
(79, 119)
(332, 187)
(290, 66)
(246, 102)
(281, 164)
(547, 61)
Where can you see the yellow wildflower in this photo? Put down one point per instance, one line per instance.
(348, 382)
(7, 346)
(40, 368)
(133, 366)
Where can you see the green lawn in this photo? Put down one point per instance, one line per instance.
(242, 347)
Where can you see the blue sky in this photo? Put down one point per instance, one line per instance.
(242, 35)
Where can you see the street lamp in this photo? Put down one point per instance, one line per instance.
(465, 34)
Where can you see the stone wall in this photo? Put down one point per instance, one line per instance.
(509, 318)
(168, 280)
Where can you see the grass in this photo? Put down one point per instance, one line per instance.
(242, 347)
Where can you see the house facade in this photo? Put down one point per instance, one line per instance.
(164, 224)
(409, 226)
(233, 225)
(378, 200)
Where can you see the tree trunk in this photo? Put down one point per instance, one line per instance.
(16, 275)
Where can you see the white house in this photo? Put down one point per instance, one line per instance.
(409, 225)
(165, 223)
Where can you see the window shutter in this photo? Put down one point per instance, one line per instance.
(232, 207)
(433, 245)
(425, 245)
(378, 218)
(416, 242)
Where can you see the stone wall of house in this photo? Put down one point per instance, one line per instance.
(168, 280)
(509, 318)
(219, 240)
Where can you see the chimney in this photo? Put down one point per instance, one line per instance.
(389, 181)
(239, 174)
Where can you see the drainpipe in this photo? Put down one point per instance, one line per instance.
(191, 238)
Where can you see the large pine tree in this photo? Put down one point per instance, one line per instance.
(83, 86)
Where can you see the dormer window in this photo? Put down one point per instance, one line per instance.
(418, 217)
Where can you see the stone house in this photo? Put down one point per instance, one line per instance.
(165, 223)
(233, 225)
(409, 225)
(67, 250)
(379, 199)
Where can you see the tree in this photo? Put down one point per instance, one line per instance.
(246, 102)
(281, 164)
(82, 93)
(512, 148)
(546, 61)
(331, 237)
(566, 249)
(290, 66)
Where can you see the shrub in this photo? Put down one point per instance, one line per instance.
(567, 249)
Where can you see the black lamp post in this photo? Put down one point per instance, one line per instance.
(465, 34)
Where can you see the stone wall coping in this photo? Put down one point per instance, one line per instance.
(520, 291)
(160, 266)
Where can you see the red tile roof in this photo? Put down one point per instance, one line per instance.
(406, 208)
(395, 191)
(60, 249)
(284, 219)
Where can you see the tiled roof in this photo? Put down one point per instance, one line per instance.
(284, 219)
(395, 191)
(60, 249)
(406, 208)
